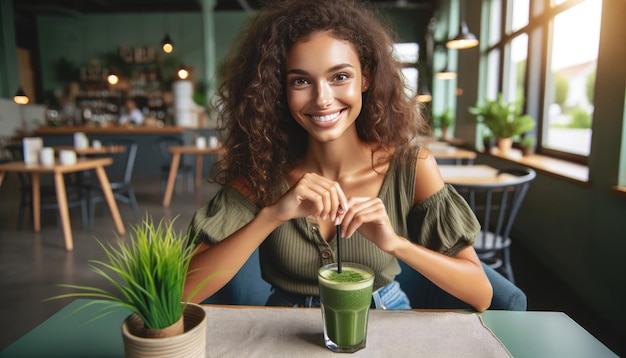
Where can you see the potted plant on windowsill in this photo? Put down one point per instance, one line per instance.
(527, 144)
(504, 120)
(148, 272)
(443, 121)
(488, 140)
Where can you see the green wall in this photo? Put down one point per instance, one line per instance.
(9, 81)
(85, 38)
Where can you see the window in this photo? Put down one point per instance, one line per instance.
(571, 69)
(408, 54)
(516, 67)
(518, 14)
(544, 52)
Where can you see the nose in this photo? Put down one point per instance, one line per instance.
(324, 95)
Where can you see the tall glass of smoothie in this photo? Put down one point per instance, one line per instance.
(345, 299)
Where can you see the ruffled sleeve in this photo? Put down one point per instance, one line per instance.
(226, 213)
(443, 222)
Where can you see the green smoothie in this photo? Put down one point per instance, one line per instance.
(345, 299)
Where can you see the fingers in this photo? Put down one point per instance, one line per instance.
(362, 211)
(326, 196)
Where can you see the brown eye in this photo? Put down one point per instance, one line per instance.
(341, 77)
(299, 82)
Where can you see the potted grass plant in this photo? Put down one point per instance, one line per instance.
(147, 272)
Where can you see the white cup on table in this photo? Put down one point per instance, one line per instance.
(67, 157)
(96, 144)
(46, 156)
(213, 142)
(201, 142)
(80, 140)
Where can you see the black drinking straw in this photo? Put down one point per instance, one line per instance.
(339, 248)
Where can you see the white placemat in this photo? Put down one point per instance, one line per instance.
(297, 332)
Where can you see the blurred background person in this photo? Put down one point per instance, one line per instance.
(131, 114)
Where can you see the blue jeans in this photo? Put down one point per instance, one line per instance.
(390, 297)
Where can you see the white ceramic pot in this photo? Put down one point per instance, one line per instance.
(190, 344)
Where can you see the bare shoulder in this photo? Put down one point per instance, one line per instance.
(428, 179)
(240, 185)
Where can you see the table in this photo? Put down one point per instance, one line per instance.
(91, 151)
(473, 174)
(524, 334)
(445, 152)
(177, 152)
(58, 170)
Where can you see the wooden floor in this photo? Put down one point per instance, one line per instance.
(31, 265)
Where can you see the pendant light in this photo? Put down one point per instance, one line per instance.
(183, 73)
(20, 96)
(464, 39)
(167, 45)
(446, 74)
(112, 77)
(424, 95)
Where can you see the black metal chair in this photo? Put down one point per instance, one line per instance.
(120, 175)
(76, 195)
(163, 143)
(496, 205)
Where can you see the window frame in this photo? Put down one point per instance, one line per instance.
(538, 31)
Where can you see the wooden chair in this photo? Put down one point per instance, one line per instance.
(120, 175)
(496, 206)
(163, 144)
(248, 288)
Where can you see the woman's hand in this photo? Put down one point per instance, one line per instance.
(369, 216)
(313, 195)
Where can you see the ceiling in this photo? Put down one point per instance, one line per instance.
(25, 11)
(28, 8)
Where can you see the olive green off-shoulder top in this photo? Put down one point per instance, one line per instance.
(292, 253)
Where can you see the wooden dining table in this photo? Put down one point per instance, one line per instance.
(177, 152)
(259, 331)
(92, 151)
(58, 170)
(473, 174)
(445, 152)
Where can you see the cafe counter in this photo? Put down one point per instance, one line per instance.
(148, 162)
(109, 130)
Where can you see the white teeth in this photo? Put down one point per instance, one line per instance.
(326, 118)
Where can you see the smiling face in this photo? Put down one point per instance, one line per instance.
(324, 85)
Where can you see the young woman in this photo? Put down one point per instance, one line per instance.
(319, 132)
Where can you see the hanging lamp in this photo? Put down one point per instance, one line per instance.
(167, 45)
(183, 72)
(446, 74)
(113, 79)
(20, 96)
(464, 39)
(424, 95)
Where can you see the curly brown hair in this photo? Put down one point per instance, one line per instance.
(261, 140)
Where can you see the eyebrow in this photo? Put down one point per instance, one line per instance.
(338, 67)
